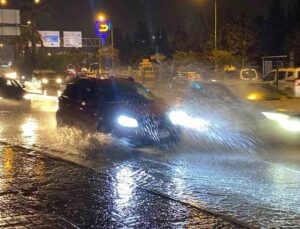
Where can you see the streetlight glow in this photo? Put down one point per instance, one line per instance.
(3, 2)
(101, 17)
(37, 1)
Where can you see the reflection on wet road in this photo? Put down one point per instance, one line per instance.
(223, 178)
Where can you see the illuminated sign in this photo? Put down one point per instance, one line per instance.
(103, 28)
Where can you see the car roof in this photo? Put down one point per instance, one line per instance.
(108, 82)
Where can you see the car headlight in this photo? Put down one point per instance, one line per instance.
(181, 118)
(59, 80)
(45, 81)
(27, 97)
(11, 75)
(126, 121)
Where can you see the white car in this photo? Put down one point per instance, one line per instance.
(248, 74)
(288, 80)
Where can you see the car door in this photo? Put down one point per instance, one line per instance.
(290, 81)
(69, 103)
(282, 83)
(88, 104)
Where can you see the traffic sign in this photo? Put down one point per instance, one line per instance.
(103, 28)
(50, 38)
(72, 39)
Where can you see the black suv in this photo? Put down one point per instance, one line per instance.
(117, 106)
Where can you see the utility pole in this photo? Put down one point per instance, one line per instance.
(112, 48)
(216, 26)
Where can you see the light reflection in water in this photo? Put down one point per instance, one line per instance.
(124, 186)
(29, 128)
(7, 169)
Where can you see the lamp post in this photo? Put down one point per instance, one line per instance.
(216, 25)
(106, 28)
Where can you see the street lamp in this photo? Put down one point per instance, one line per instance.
(3, 2)
(216, 25)
(101, 17)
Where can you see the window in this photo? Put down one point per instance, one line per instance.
(281, 75)
(73, 92)
(290, 74)
(270, 76)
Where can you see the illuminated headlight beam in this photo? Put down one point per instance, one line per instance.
(275, 116)
(290, 125)
(11, 75)
(181, 118)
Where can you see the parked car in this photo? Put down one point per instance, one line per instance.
(11, 89)
(118, 106)
(288, 80)
(249, 74)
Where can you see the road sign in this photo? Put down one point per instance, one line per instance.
(103, 28)
(50, 38)
(9, 22)
(72, 39)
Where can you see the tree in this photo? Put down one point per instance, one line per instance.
(222, 58)
(240, 39)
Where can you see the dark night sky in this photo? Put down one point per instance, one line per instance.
(80, 14)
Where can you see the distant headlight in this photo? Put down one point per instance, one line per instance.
(27, 97)
(58, 80)
(181, 118)
(126, 121)
(11, 75)
(45, 81)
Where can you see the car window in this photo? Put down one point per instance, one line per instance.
(12, 83)
(290, 74)
(125, 92)
(249, 74)
(270, 76)
(281, 75)
(73, 92)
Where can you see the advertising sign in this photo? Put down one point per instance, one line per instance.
(10, 22)
(50, 38)
(72, 39)
(103, 28)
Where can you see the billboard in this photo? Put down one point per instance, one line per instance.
(50, 38)
(103, 28)
(72, 39)
(9, 22)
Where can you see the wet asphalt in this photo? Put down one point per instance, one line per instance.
(61, 177)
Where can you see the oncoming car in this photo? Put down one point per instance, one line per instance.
(48, 80)
(117, 106)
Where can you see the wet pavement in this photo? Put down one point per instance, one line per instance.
(37, 191)
(71, 178)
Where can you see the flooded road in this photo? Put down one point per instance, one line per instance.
(229, 173)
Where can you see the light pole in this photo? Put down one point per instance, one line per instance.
(216, 25)
(106, 28)
(112, 49)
